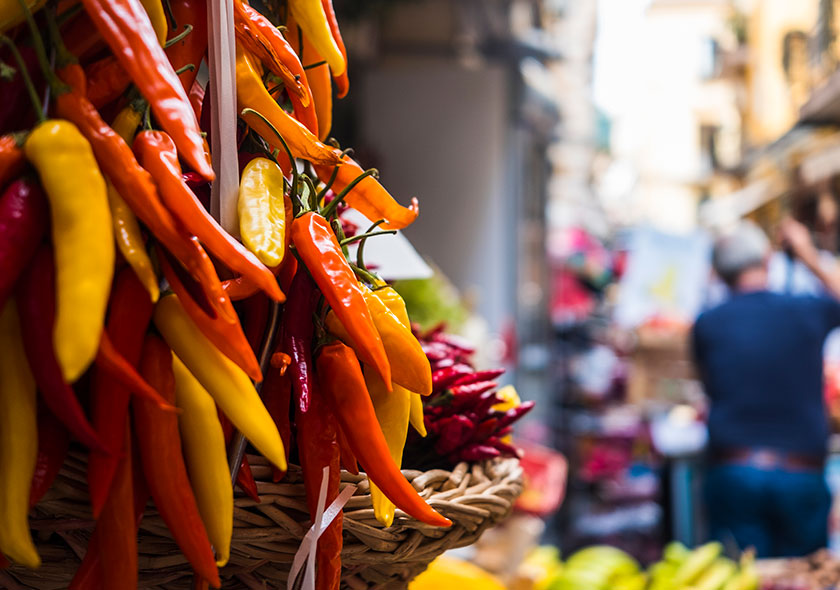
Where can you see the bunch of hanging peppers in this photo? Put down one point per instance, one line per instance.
(134, 326)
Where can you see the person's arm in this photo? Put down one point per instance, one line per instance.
(796, 237)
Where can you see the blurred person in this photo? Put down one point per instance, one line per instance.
(759, 356)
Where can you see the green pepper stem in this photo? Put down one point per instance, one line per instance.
(62, 53)
(27, 81)
(365, 274)
(185, 68)
(179, 37)
(360, 253)
(362, 237)
(331, 208)
(339, 234)
(57, 85)
(285, 147)
(313, 194)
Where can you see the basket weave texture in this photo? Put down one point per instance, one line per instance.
(267, 535)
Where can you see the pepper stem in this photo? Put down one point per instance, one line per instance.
(333, 205)
(186, 68)
(40, 51)
(317, 64)
(62, 53)
(363, 237)
(313, 194)
(27, 81)
(179, 37)
(365, 274)
(360, 253)
(282, 141)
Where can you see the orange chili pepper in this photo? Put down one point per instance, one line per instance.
(11, 159)
(225, 334)
(320, 252)
(190, 49)
(342, 82)
(318, 79)
(126, 28)
(158, 155)
(343, 384)
(107, 80)
(369, 197)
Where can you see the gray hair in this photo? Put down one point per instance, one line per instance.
(746, 246)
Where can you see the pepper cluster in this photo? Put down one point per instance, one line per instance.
(467, 416)
(132, 322)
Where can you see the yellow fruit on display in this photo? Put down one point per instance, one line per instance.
(447, 572)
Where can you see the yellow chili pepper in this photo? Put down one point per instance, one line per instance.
(415, 414)
(206, 457)
(392, 411)
(82, 236)
(126, 229)
(154, 8)
(222, 378)
(409, 366)
(11, 13)
(312, 20)
(18, 442)
(394, 302)
(262, 210)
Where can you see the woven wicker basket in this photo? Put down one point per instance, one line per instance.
(267, 535)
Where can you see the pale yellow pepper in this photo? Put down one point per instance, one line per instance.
(262, 211)
(229, 386)
(392, 411)
(126, 229)
(18, 442)
(312, 20)
(205, 454)
(396, 305)
(82, 236)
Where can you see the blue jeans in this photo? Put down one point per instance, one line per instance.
(780, 513)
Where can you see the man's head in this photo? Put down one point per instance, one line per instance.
(745, 248)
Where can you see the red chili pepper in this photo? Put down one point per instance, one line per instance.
(106, 81)
(320, 252)
(89, 574)
(318, 448)
(126, 28)
(135, 185)
(296, 335)
(36, 306)
(453, 341)
(478, 453)
(244, 476)
(453, 431)
(255, 311)
(115, 365)
(341, 379)
(471, 390)
(487, 375)
(12, 160)
(163, 463)
(129, 317)
(157, 154)
(443, 378)
(225, 334)
(190, 49)
(348, 459)
(53, 444)
(23, 224)
(80, 36)
(116, 527)
(277, 397)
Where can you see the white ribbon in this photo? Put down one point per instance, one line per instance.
(309, 545)
(222, 62)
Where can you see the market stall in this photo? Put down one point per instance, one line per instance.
(204, 382)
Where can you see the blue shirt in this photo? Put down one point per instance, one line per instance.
(760, 359)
